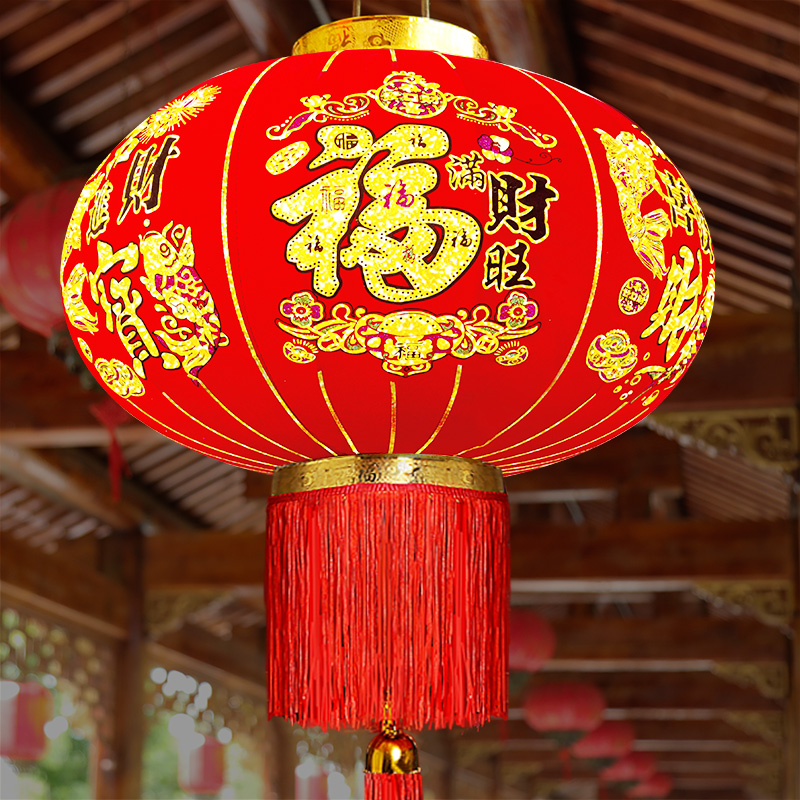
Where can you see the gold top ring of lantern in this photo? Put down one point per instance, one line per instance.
(430, 470)
(391, 31)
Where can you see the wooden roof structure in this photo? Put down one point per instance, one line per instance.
(666, 560)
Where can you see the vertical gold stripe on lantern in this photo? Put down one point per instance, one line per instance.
(597, 262)
(243, 423)
(456, 384)
(227, 254)
(393, 412)
(333, 412)
(206, 449)
(222, 435)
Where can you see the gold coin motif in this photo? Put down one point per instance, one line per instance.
(286, 158)
(633, 296)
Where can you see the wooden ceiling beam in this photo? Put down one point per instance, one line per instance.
(528, 35)
(518, 735)
(704, 36)
(744, 363)
(596, 557)
(31, 160)
(62, 588)
(80, 481)
(611, 41)
(666, 691)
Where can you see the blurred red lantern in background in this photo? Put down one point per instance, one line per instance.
(564, 711)
(25, 708)
(630, 769)
(201, 765)
(31, 240)
(655, 787)
(608, 742)
(531, 640)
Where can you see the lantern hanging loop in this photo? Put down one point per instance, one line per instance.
(391, 32)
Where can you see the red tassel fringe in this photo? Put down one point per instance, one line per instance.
(378, 590)
(380, 786)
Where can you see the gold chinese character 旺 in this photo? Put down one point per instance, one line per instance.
(397, 233)
(679, 302)
(504, 273)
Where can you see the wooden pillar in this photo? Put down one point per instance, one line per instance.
(123, 559)
(287, 758)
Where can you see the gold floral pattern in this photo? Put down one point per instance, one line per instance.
(78, 312)
(612, 355)
(302, 309)
(410, 95)
(119, 377)
(408, 342)
(175, 113)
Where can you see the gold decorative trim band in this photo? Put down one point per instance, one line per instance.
(391, 31)
(327, 473)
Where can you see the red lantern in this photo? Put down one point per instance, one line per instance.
(322, 255)
(630, 769)
(605, 744)
(564, 711)
(201, 765)
(31, 239)
(310, 781)
(25, 708)
(655, 787)
(532, 641)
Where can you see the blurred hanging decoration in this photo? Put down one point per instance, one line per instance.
(25, 708)
(607, 743)
(656, 787)
(31, 240)
(201, 765)
(564, 712)
(531, 643)
(531, 640)
(323, 255)
(629, 770)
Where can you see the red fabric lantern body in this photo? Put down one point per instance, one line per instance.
(24, 710)
(564, 711)
(201, 769)
(317, 255)
(387, 251)
(655, 787)
(605, 744)
(630, 769)
(31, 240)
(532, 641)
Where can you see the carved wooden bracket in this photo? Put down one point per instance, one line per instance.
(769, 678)
(767, 437)
(768, 725)
(771, 601)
